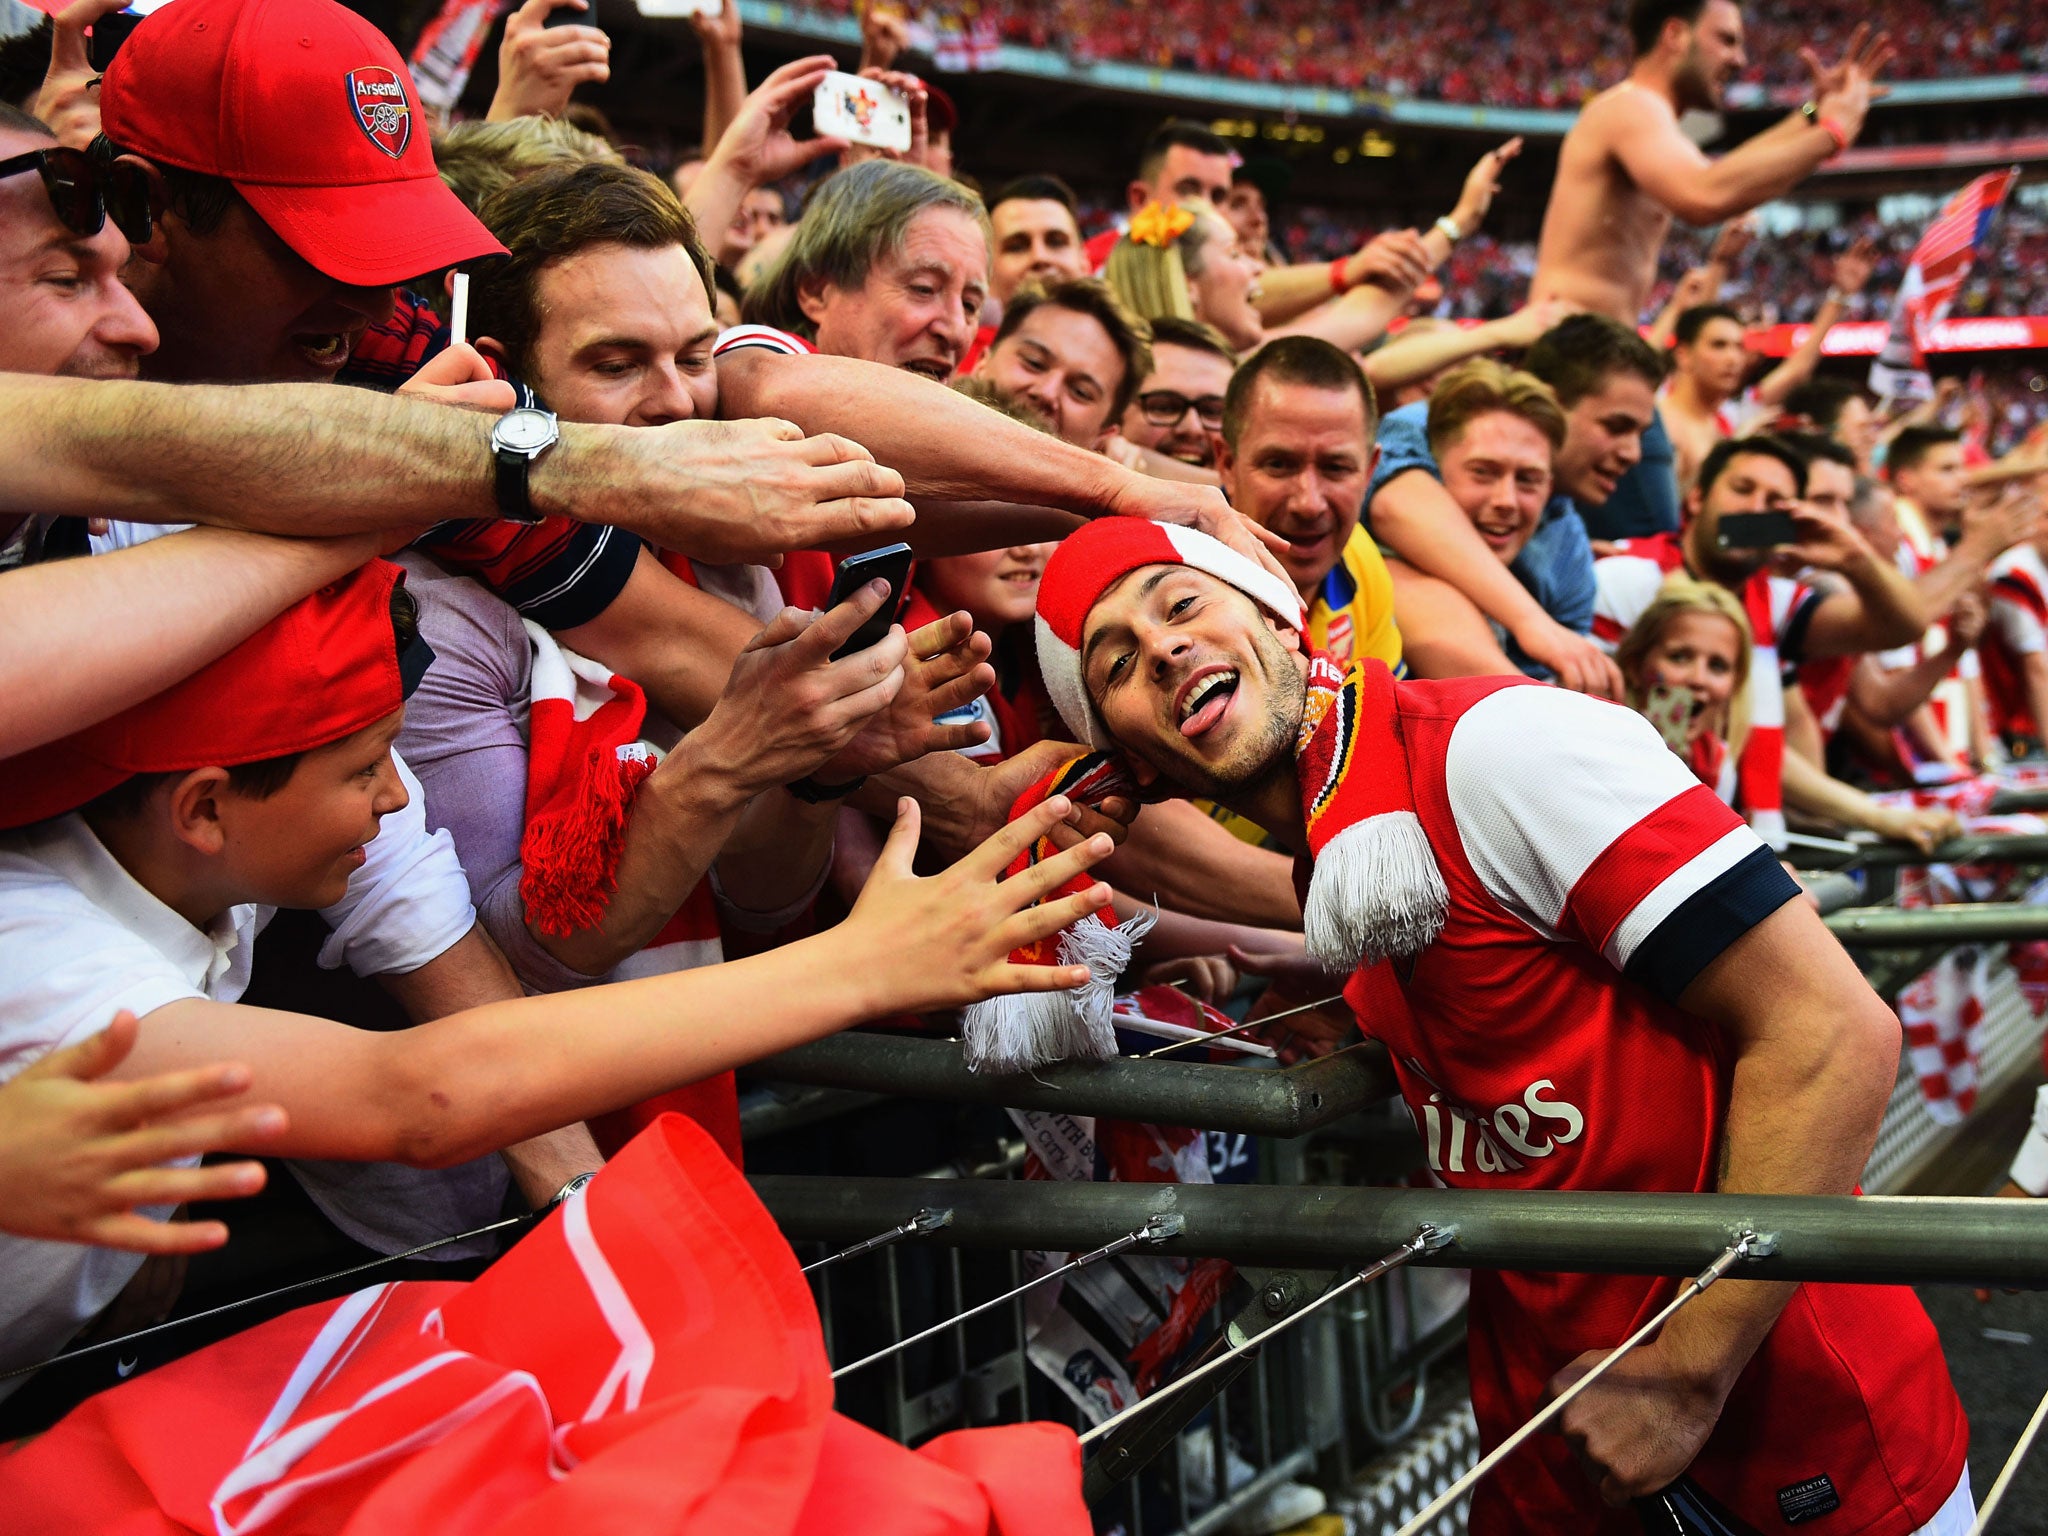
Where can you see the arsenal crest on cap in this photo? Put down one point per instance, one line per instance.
(377, 96)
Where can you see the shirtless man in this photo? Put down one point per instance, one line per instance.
(1626, 170)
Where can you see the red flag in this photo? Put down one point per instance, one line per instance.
(1943, 258)
(648, 1360)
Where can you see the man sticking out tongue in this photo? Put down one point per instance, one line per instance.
(1589, 975)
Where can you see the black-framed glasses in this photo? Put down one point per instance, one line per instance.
(1167, 408)
(86, 188)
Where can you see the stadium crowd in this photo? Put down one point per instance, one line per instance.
(449, 731)
(1522, 54)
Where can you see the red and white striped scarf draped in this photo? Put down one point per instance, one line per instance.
(648, 1361)
(585, 761)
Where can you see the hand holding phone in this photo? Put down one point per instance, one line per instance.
(892, 564)
(861, 112)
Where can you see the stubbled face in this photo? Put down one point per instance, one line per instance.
(1245, 207)
(1713, 58)
(920, 302)
(1716, 360)
(1750, 482)
(298, 847)
(1185, 175)
(63, 309)
(1300, 468)
(1037, 240)
(626, 338)
(1223, 291)
(1193, 681)
(1935, 484)
(1701, 652)
(1603, 438)
(1498, 471)
(1060, 365)
(998, 586)
(1178, 410)
(239, 306)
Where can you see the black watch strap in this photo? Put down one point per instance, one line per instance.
(811, 792)
(515, 495)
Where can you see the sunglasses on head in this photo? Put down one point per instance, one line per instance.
(88, 187)
(1165, 408)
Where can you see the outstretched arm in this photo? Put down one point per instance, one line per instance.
(444, 1092)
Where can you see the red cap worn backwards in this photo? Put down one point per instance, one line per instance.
(309, 111)
(323, 669)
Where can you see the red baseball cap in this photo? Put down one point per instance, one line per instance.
(309, 111)
(323, 669)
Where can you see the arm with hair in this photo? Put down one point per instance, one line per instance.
(458, 1087)
(83, 639)
(309, 459)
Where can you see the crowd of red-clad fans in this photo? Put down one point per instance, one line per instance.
(1521, 53)
(497, 637)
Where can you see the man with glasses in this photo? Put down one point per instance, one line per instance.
(1174, 422)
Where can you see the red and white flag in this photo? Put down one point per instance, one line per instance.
(647, 1362)
(1943, 258)
(447, 49)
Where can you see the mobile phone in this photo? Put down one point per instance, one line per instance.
(1756, 530)
(569, 16)
(892, 563)
(109, 33)
(861, 112)
(666, 8)
(1670, 707)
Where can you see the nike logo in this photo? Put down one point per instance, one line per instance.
(126, 1368)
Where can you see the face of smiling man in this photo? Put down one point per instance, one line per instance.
(1196, 683)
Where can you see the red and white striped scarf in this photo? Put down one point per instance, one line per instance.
(585, 761)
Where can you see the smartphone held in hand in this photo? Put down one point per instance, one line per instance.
(861, 112)
(892, 564)
(1756, 530)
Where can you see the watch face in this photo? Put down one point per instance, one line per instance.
(525, 430)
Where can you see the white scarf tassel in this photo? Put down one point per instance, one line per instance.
(1023, 1030)
(1376, 892)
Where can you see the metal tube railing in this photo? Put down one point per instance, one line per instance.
(1873, 1240)
(1252, 1100)
(1902, 928)
(2013, 848)
(2010, 802)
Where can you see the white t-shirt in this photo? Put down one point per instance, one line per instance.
(80, 939)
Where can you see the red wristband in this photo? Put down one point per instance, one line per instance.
(1337, 283)
(1833, 130)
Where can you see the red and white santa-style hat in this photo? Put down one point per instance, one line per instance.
(1094, 558)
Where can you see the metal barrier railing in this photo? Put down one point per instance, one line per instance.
(2010, 848)
(1248, 1100)
(1874, 1240)
(1920, 927)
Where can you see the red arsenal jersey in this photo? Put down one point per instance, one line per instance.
(1539, 1046)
